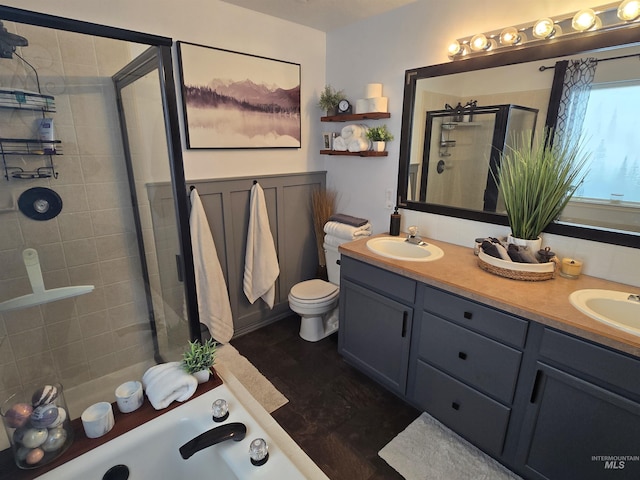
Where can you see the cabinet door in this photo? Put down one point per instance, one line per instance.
(374, 334)
(575, 429)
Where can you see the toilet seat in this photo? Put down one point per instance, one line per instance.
(313, 292)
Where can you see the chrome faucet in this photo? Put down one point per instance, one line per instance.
(413, 236)
(229, 431)
(634, 298)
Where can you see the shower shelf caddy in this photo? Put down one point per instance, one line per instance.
(22, 100)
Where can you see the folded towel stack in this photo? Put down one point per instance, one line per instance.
(348, 219)
(346, 232)
(352, 138)
(167, 382)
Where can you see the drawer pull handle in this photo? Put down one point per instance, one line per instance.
(468, 315)
(455, 405)
(462, 355)
(338, 262)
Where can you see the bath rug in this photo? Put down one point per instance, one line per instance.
(256, 383)
(427, 450)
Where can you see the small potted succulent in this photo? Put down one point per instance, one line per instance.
(379, 136)
(199, 359)
(329, 99)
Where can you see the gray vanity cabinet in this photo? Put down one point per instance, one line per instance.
(464, 366)
(547, 404)
(583, 416)
(376, 316)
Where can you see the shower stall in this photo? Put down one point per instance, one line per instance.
(80, 200)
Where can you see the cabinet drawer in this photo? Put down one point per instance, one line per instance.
(495, 323)
(478, 418)
(614, 368)
(381, 280)
(484, 363)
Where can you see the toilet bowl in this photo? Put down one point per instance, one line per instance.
(316, 301)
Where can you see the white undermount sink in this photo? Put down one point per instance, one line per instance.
(618, 309)
(399, 249)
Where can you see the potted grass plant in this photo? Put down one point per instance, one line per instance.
(199, 358)
(536, 182)
(379, 136)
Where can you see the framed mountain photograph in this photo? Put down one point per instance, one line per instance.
(236, 100)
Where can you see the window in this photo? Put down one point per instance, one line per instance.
(611, 135)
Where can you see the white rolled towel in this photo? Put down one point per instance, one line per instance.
(348, 232)
(358, 145)
(353, 131)
(167, 382)
(339, 144)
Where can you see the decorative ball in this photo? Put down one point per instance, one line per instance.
(44, 415)
(18, 415)
(31, 437)
(55, 440)
(62, 416)
(21, 453)
(44, 395)
(34, 456)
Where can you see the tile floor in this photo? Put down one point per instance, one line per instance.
(337, 415)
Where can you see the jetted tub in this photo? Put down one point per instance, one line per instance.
(150, 451)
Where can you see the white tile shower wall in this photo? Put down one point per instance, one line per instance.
(91, 242)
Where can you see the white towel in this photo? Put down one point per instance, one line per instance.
(334, 241)
(211, 289)
(348, 232)
(167, 382)
(260, 261)
(353, 131)
(339, 144)
(358, 145)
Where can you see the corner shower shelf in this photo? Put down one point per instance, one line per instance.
(28, 146)
(23, 100)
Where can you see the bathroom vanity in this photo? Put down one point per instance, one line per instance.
(510, 366)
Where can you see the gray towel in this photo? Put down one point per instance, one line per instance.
(348, 219)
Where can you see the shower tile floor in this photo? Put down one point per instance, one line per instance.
(337, 415)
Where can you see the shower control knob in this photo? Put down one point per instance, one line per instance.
(220, 410)
(258, 452)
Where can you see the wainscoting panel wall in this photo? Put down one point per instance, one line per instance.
(226, 203)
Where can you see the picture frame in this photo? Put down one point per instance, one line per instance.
(234, 100)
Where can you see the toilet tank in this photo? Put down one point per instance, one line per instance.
(333, 269)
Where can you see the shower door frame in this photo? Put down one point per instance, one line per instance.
(172, 126)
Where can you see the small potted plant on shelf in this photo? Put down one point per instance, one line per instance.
(199, 359)
(329, 100)
(379, 136)
(536, 182)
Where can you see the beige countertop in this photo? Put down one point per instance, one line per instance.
(545, 302)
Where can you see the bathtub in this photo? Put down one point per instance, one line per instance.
(150, 451)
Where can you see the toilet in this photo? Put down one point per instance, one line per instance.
(316, 301)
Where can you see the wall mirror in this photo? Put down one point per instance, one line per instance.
(458, 116)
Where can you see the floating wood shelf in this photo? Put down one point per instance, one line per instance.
(367, 153)
(356, 116)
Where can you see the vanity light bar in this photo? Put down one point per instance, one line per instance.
(605, 17)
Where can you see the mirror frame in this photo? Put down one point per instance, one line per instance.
(626, 35)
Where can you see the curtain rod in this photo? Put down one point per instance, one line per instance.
(543, 68)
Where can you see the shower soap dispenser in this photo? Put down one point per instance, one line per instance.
(394, 226)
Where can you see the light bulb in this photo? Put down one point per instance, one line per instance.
(629, 10)
(584, 20)
(454, 48)
(479, 42)
(510, 36)
(545, 28)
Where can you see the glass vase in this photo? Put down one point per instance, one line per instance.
(37, 423)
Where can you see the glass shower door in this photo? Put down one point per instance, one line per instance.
(148, 166)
